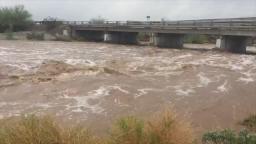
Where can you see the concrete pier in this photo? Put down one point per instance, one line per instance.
(235, 44)
(122, 37)
(96, 36)
(163, 40)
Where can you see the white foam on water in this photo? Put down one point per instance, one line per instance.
(144, 91)
(141, 93)
(82, 102)
(80, 61)
(4, 53)
(166, 74)
(183, 56)
(11, 113)
(246, 80)
(223, 87)
(4, 48)
(203, 80)
(120, 89)
(235, 67)
(168, 68)
(41, 105)
(2, 104)
(21, 66)
(65, 76)
(246, 60)
(184, 92)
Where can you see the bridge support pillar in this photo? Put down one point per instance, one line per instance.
(122, 37)
(88, 35)
(163, 40)
(235, 44)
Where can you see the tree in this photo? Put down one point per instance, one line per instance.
(14, 17)
(51, 23)
(98, 20)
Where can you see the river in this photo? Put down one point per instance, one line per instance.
(96, 83)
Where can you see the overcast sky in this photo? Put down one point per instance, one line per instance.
(136, 9)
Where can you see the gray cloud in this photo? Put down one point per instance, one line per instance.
(137, 9)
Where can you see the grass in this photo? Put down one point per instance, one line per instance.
(41, 130)
(163, 129)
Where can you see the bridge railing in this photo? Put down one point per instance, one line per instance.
(204, 24)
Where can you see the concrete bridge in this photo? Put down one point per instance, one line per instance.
(234, 32)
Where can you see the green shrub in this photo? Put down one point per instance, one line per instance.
(196, 39)
(229, 137)
(250, 123)
(9, 36)
(128, 130)
(97, 20)
(35, 36)
(143, 37)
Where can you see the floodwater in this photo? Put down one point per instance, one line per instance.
(95, 83)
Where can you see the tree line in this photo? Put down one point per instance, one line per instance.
(14, 18)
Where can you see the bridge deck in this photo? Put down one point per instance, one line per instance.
(235, 26)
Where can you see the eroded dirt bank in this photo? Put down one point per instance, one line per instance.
(96, 83)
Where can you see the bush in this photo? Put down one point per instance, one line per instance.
(129, 131)
(196, 39)
(250, 123)
(98, 20)
(229, 137)
(35, 36)
(9, 36)
(144, 37)
(41, 130)
(164, 129)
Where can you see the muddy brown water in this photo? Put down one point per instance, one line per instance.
(95, 83)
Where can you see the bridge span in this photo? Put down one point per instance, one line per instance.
(169, 34)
